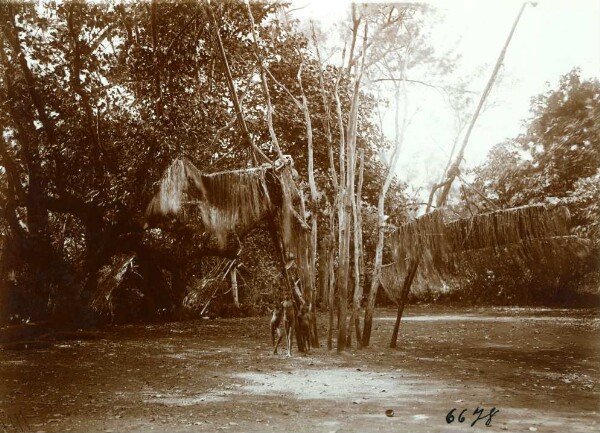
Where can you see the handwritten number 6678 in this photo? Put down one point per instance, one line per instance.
(479, 412)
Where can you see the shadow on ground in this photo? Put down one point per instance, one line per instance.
(538, 367)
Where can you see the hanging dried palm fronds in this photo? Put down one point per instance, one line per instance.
(525, 235)
(294, 227)
(393, 274)
(417, 237)
(507, 226)
(557, 255)
(429, 237)
(513, 270)
(222, 202)
(422, 238)
(288, 204)
(231, 201)
(553, 251)
(172, 191)
(390, 278)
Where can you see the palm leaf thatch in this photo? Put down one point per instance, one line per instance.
(429, 234)
(429, 273)
(552, 251)
(222, 202)
(294, 228)
(419, 237)
(545, 263)
(509, 226)
(524, 236)
(390, 278)
(555, 255)
(233, 201)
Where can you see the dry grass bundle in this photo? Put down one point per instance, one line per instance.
(292, 225)
(554, 257)
(551, 251)
(516, 271)
(230, 201)
(509, 226)
(418, 237)
(391, 277)
(525, 235)
(222, 202)
(429, 238)
(172, 191)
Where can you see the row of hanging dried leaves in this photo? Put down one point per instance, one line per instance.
(522, 236)
(234, 201)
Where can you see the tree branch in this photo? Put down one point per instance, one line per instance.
(423, 83)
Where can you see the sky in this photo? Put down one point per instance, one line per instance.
(550, 40)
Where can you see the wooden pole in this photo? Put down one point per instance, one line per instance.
(453, 172)
(236, 103)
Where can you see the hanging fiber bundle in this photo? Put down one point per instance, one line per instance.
(508, 226)
(418, 237)
(222, 202)
(521, 236)
(230, 201)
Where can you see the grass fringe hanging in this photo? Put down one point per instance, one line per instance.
(429, 237)
(508, 226)
(230, 201)
(222, 202)
(526, 235)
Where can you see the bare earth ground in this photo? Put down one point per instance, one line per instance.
(539, 367)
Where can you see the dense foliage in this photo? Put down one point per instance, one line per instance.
(96, 100)
(555, 161)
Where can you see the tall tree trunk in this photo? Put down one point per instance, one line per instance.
(327, 269)
(358, 247)
(234, 286)
(370, 307)
(342, 278)
(323, 274)
(331, 283)
(347, 191)
(342, 269)
(398, 140)
(314, 201)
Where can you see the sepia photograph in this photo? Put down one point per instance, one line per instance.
(324, 216)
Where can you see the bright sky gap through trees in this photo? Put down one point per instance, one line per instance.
(550, 40)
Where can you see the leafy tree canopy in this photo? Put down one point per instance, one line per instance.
(557, 158)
